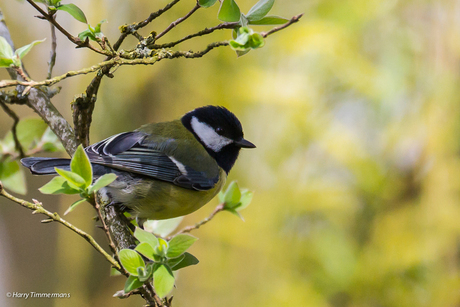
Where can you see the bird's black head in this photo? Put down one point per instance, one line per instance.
(219, 131)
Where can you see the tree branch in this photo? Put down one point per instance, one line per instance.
(225, 25)
(37, 208)
(178, 21)
(129, 29)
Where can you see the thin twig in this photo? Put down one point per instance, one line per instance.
(53, 50)
(187, 229)
(225, 25)
(129, 29)
(287, 24)
(15, 118)
(37, 208)
(72, 38)
(178, 21)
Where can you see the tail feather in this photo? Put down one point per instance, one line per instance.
(45, 166)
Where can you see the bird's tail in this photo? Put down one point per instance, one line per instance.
(45, 166)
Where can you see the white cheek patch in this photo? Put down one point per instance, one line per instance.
(209, 136)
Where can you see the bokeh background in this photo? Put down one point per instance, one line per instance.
(355, 112)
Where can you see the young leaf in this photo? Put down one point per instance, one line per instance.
(102, 181)
(74, 205)
(21, 52)
(131, 260)
(206, 3)
(162, 247)
(72, 178)
(242, 52)
(145, 273)
(6, 51)
(179, 244)
(73, 10)
(232, 195)
(188, 260)
(132, 283)
(87, 34)
(245, 200)
(269, 20)
(6, 62)
(163, 280)
(256, 41)
(260, 9)
(12, 176)
(146, 250)
(145, 236)
(58, 185)
(162, 227)
(80, 165)
(229, 11)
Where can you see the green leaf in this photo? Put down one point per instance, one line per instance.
(145, 273)
(132, 283)
(145, 236)
(30, 131)
(162, 247)
(72, 178)
(87, 34)
(269, 20)
(162, 228)
(179, 244)
(114, 272)
(21, 52)
(50, 142)
(131, 260)
(186, 261)
(6, 51)
(6, 62)
(80, 165)
(12, 176)
(175, 261)
(206, 3)
(242, 52)
(245, 200)
(97, 28)
(229, 11)
(74, 205)
(232, 195)
(58, 185)
(73, 10)
(146, 250)
(163, 280)
(260, 9)
(256, 41)
(234, 212)
(102, 181)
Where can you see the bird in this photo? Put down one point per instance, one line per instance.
(164, 170)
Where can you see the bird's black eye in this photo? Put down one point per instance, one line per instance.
(219, 130)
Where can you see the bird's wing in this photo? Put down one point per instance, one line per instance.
(126, 151)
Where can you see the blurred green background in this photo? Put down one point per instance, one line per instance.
(355, 113)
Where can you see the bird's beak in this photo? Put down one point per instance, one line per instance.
(244, 143)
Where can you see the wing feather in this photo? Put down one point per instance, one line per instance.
(126, 151)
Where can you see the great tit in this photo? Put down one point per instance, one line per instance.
(166, 169)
